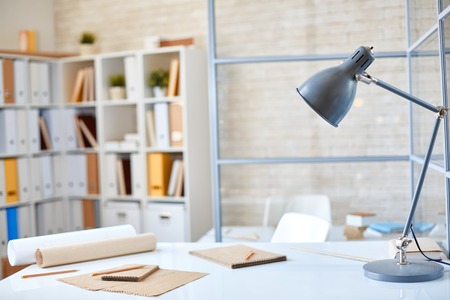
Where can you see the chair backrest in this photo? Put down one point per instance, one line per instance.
(300, 228)
(276, 206)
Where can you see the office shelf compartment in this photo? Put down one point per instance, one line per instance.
(163, 60)
(78, 81)
(124, 64)
(118, 121)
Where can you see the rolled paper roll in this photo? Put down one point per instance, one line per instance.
(68, 254)
(22, 251)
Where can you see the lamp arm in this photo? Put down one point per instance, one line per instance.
(366, 78)
(421, 179)
(440, 114)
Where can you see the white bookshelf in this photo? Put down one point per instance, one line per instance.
(176, 219)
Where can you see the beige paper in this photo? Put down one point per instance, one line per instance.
(426, 244)
(68, 254)
(156, 284)
(238, 256)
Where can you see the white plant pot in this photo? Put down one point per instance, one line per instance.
(87, 49)
(159, 91)
(116, 93)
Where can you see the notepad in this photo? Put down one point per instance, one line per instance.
(131, 275)
(428, 246)
(238, 256)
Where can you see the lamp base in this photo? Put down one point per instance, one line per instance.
(415, 271)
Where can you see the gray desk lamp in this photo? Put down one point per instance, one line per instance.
(330, 93)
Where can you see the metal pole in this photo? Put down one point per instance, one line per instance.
(215, 176)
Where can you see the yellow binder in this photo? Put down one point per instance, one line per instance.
(11, 180)
(158, 168)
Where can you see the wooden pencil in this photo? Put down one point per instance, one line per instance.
(317, 251)
(118, 270)
(48, 273)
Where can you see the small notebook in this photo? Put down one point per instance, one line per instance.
(428, 246)
(131, 275)
(238, 256)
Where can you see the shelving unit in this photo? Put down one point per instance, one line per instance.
(84, 188)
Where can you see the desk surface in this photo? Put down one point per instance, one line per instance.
(237, 234)
(304, 275)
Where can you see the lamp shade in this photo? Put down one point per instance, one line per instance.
(330, 93)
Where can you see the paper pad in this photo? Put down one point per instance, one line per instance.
(131, 275)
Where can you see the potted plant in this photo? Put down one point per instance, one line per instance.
(87, 40)
(117, 86)
(158, 81)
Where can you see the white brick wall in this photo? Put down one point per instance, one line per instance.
(261, 114)
(122, 25)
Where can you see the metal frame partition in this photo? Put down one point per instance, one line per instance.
(217, 161)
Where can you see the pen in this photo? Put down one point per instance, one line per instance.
(48, 273)
(248, 255)
(118, 270)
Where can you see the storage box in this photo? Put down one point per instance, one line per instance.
(121, 213)
(166, 221)
(360, 219)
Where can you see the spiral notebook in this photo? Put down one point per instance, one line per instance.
(238, 256)
(131, 275)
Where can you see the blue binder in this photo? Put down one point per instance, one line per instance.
(11, 221)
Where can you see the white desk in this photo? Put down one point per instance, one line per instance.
(304, 276)
(238, 234)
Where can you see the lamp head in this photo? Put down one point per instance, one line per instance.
(330, 93)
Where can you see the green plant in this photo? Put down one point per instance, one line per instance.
(87, 38)
(117, 80)
(158, 77)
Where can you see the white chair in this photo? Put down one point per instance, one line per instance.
(300, 228)
(276, 206)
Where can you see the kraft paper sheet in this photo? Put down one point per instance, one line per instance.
(68, 254)
(156, 284)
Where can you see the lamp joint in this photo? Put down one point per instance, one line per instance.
(365, 78)
(402, 244)
(442, 111)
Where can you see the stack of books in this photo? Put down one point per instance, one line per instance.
(357, 223)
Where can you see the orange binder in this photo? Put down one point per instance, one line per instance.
(8, 80)
(158, 168)
(176, 124)
(89, 214)
(92, 174)
(11, 180)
